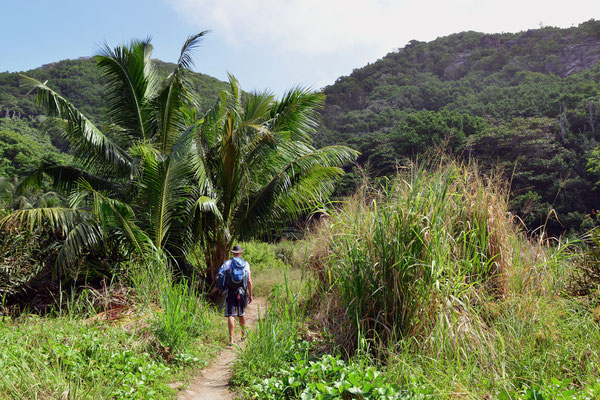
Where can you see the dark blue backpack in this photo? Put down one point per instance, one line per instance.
(233, 275)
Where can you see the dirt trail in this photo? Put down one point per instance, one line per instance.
(213, 382)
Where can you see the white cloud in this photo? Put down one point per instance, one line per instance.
(320, 26)
(354, 32)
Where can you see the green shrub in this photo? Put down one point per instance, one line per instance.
(330, 378)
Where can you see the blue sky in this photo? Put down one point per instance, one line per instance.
(266, 44)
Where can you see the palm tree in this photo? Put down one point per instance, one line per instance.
(158, 180)
(255, 160)
(133, 175)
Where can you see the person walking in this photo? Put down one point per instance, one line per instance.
(235, 279)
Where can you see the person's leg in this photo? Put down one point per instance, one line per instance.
(230, 325)
(243, 325)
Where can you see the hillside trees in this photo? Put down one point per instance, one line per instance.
(21, 149)
(535, 96)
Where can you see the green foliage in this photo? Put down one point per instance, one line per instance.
(257, 167)
(507, 349)
(585, 279)
(262, 256)
(454, 298)
(395, 251)
(138, 169)
(157, 180)
(24, 144)
(273, 340)
(329, 378)
(80, 81)
(544, 168)
(22, 149)
(554, 389)
(24, 257)
(180, 315)
(278, 363)
(75, 353)
(183, 316)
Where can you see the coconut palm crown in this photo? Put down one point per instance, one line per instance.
(129, 174)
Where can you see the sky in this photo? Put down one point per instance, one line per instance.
(266, 44)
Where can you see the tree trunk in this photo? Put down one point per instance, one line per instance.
(215, 254)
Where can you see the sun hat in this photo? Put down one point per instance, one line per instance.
(237, 249)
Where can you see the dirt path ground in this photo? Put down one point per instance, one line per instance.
(213, 382)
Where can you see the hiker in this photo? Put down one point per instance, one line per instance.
(234, 279)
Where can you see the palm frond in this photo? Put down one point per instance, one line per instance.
(116, 219)
(297, 113)
(66, 177)
(77, 128)
(173, 113)
(257, 108)
(186, 60)
(84, 237)
(206, 204)
(173, 105)
(131, 80)
(59, 219)
(307, 177)
(164, 186)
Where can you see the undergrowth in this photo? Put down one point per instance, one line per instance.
(64, 358)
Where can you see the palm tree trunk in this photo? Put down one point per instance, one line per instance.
(215, 254)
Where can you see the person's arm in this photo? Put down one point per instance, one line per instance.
(249, 287)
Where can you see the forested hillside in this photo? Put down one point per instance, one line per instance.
(527, 102)
(23, 146)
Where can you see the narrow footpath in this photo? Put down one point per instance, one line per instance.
(213, 382)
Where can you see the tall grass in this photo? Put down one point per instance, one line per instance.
(180, 314)
(433, 267)
(273, 341)
(184, 316)
(399, 251)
